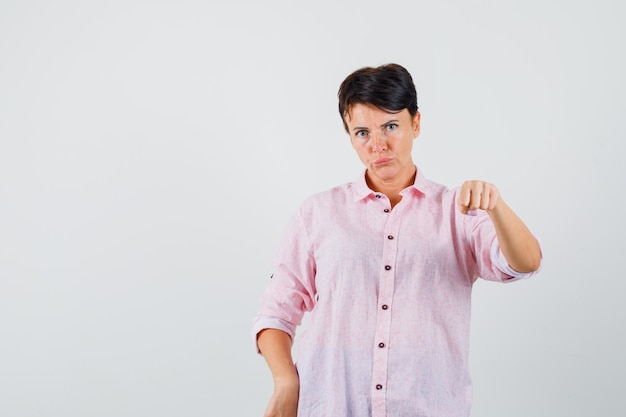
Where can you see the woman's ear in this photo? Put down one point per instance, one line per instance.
(416, 124)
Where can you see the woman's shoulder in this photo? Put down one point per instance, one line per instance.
(432, 188)
(330, 196)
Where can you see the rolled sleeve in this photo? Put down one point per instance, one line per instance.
(266, 322)
(292, 287)
(500, 262)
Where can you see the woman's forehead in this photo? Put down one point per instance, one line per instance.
(362, 112)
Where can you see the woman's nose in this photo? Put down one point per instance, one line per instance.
(378, 144)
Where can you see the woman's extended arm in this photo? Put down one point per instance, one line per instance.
(518, 245)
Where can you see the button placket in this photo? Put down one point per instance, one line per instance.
(389, 233)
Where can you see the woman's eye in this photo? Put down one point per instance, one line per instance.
(392, 126)
(361, 133)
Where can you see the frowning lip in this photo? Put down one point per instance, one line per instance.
(381, 161)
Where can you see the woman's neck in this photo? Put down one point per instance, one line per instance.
(393, 187)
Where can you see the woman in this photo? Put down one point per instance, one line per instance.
(385, 266)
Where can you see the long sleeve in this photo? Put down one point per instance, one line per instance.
(291, 291)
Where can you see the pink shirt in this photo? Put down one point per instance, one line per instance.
(388, 293)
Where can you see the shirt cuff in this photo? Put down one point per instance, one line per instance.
(498, 259)
(267, 322)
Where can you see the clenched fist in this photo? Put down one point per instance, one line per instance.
(476, 195)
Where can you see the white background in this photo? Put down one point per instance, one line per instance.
(151, 153)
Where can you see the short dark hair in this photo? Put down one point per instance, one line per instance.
(388, 87)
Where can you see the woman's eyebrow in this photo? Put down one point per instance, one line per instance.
(389, 122)
(359, 128)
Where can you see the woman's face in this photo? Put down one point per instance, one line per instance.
(383, 142)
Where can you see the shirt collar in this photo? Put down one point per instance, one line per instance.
(362, 190)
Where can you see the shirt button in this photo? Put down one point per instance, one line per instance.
(385, 307)
(386, 210)
(390, 237)
(381, 345)
(379, 387)
(378, 196)
(387, 267)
